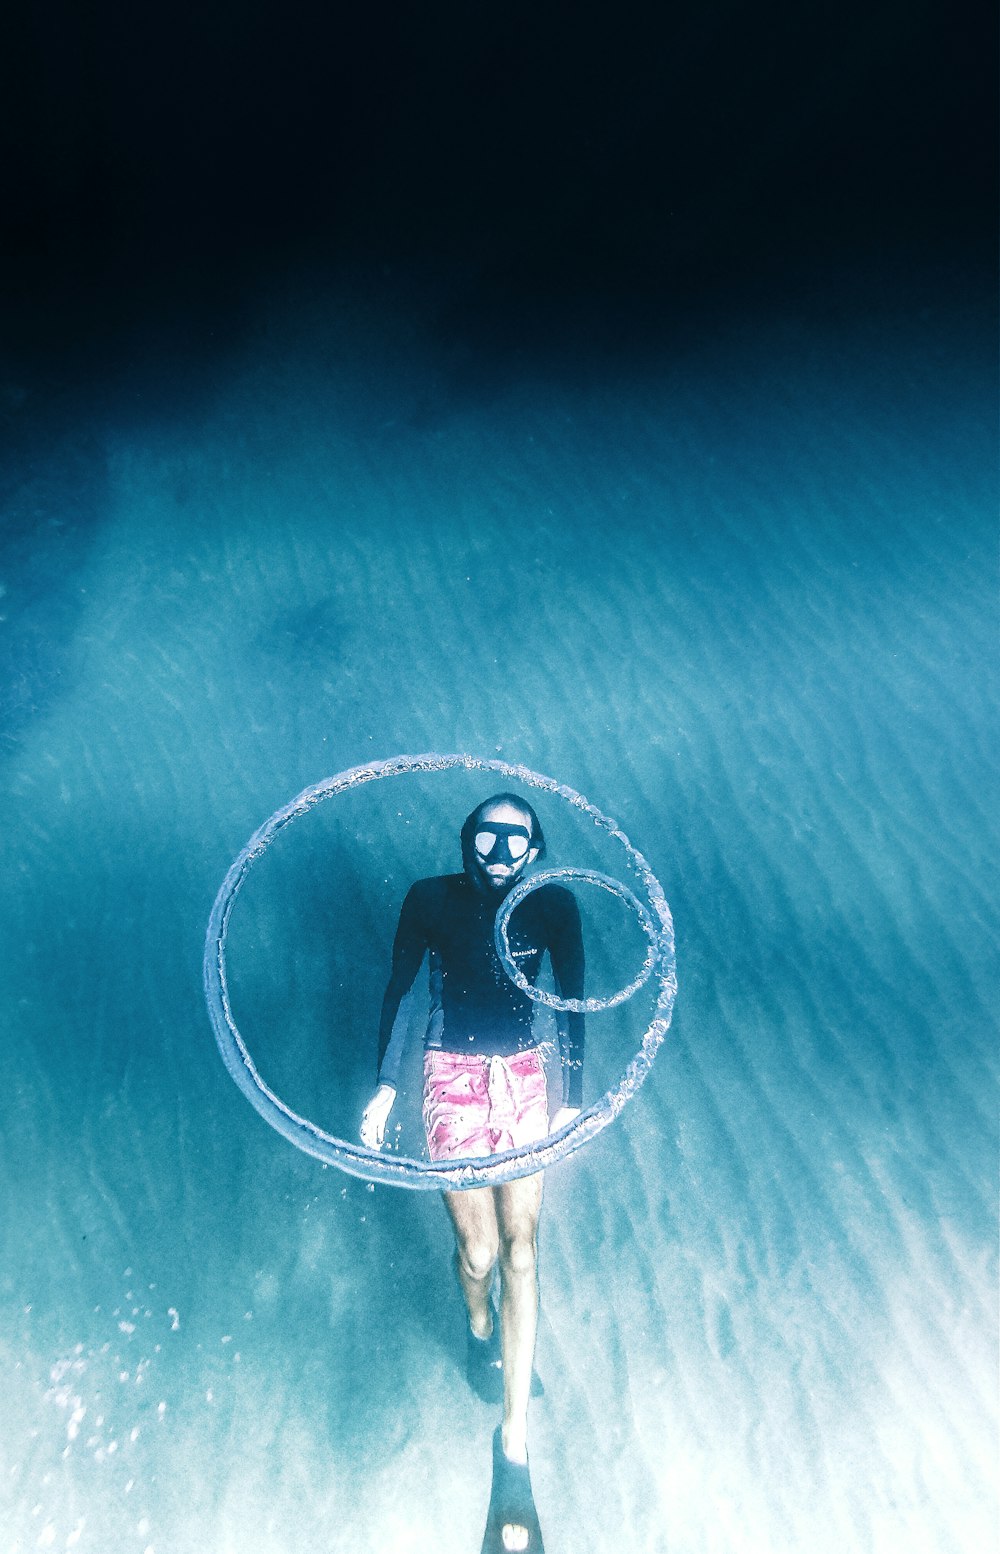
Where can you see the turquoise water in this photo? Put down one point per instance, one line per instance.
(739, 590)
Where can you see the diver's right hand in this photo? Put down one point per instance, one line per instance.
(376, 1115)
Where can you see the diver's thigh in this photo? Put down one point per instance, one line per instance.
(518, 1205)
(473, 1214)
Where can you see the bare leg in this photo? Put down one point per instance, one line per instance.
(474, 1218)
(518, 1207)
(504, 1219)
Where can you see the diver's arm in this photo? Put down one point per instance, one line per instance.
(566, 955)
(407, 953)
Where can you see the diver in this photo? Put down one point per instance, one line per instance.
(485, 1092)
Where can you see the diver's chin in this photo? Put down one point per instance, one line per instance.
(499, 880)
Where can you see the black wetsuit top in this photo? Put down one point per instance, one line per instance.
(475, 1007)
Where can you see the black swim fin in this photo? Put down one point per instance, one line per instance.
(511, 1503)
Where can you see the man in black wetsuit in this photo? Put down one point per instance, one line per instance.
(484, 1092)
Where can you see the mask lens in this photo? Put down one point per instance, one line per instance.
(518, 846)
(485, 843)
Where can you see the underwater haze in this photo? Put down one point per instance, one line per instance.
(736, 583)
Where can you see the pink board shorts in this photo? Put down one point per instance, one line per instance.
(476, 1106)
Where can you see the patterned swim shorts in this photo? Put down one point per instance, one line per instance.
(475, 1106)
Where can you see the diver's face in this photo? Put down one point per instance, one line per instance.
(502, 843)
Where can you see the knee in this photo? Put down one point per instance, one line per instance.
(518, 1255)
(478, 1258)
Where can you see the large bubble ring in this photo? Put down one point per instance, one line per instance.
(400, 1170)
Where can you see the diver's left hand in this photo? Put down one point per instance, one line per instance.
(563, 1117)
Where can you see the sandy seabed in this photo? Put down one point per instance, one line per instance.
(741, 598)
